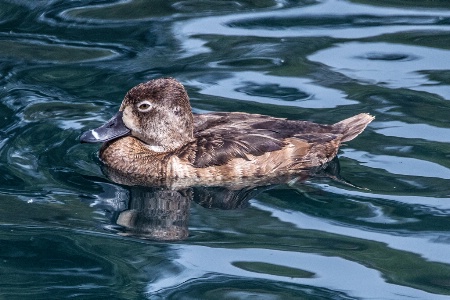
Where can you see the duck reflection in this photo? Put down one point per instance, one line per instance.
(162, 213)
(156, 213)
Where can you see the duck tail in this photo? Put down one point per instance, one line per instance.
(352, 127)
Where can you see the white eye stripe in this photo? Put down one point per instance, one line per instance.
(144, 106)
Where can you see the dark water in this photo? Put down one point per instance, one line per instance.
(65, 66)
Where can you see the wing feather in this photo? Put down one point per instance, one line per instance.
(221, 137)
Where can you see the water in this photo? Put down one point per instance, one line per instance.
(65, 66)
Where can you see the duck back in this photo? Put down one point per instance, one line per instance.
(227, 146)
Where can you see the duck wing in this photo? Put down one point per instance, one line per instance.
(220, 137)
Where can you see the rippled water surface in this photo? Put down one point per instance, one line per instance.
(65, 227)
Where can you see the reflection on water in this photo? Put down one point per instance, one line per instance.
(162, 213)
(156, 214)
(67, 231)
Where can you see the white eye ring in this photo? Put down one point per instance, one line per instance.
(144, 106)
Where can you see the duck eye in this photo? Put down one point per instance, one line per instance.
(144, 106)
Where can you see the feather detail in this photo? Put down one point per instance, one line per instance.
(352, 127)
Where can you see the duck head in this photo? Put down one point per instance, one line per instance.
(156, 112)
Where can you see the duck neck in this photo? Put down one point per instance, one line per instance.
(170, 141)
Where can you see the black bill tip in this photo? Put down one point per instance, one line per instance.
(113, 129)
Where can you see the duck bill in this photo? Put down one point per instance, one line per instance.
(113, 129)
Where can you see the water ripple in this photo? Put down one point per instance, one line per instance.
(196, 263)
(263, 88)
(46, 49)
(439, 206)
(412, 131)
(426, 245)
(374, 63)
(399, 165)
(389, 20)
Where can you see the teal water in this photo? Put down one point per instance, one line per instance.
(67, 231)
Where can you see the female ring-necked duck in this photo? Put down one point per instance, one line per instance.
(156, 137)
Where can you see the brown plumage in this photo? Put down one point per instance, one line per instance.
(166, 143)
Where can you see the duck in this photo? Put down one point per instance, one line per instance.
(156, 139)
